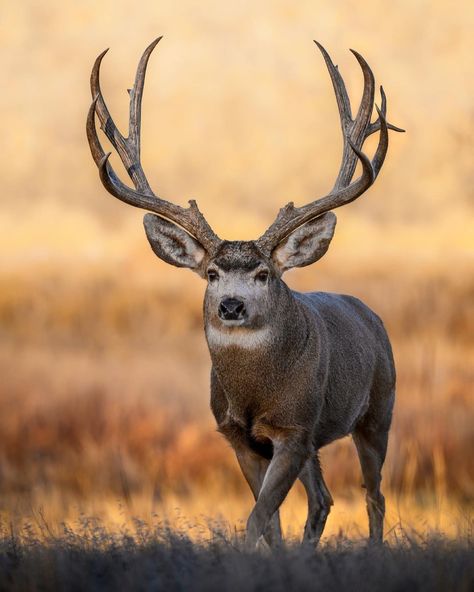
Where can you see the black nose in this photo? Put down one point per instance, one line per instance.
(231, 309)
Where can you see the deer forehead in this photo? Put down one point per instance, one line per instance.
(242, 256)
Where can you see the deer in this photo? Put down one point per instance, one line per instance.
(291, 372)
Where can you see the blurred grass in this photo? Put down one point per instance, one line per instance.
(91, 556)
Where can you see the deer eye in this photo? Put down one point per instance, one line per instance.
(212, 275)
(262, 277)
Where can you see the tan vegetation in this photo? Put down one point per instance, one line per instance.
(105, 387)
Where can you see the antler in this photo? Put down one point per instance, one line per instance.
(354, 131)
(191, 219)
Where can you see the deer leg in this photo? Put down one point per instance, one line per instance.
(254, 468)
(283, 470)
(319, 500)
(371, 447)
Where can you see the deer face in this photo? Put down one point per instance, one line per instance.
(240, 278)
(240, 285)
(243, 283)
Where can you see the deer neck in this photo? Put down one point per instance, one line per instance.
(250, 361)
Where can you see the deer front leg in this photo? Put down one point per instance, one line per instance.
(289, 456)
(254, 468)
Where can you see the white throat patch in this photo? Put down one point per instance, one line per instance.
(238, 337)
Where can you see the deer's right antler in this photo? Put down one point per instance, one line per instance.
(191, 219)
(355, 131)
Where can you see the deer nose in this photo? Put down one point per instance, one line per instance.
(231, 309)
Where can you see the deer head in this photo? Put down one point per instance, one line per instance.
(244, 277)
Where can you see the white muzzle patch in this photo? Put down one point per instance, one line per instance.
(238, 337)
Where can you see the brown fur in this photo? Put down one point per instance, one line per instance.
(327, 372)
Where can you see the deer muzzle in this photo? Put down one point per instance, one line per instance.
(231, 309)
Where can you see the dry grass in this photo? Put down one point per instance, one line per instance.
(104, 402)
(156, 557)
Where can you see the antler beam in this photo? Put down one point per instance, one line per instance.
(191, 219)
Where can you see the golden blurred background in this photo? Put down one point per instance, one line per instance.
(103, 364)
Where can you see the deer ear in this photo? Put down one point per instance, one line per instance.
(306, 244)
(173, 244)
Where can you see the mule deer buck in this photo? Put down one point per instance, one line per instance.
(291, 372)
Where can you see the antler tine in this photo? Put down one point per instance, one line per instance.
(136, 94)
(94, 143)
(375, 126)
(343, 101)
(355, 131)
(381, 152)
(127, 148)
(191, 219)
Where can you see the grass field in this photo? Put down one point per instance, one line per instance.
(159, 558)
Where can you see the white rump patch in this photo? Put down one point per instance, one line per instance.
(238, 337)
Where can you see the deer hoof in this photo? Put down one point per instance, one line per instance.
(261, 546)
